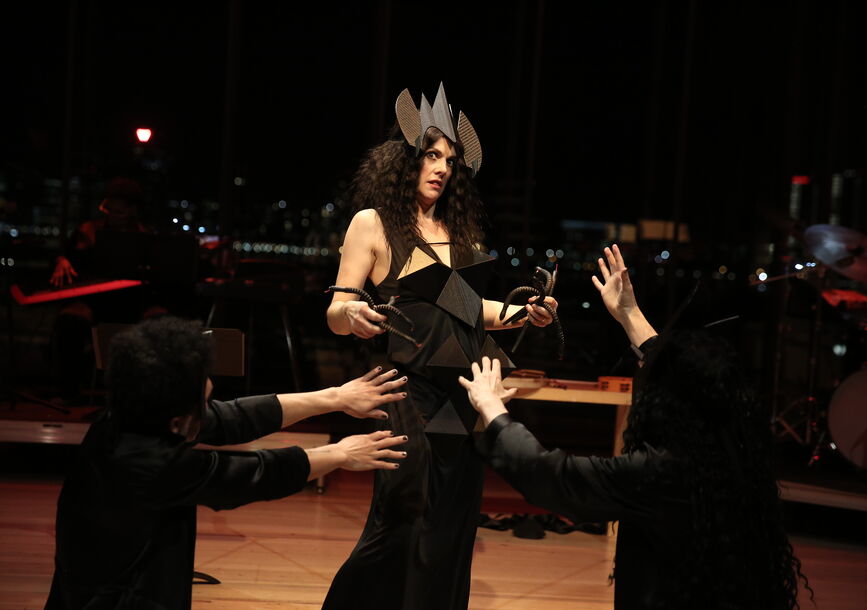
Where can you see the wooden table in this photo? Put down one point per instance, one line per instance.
(616, 391)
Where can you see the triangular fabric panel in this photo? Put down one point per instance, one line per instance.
(460, 300)
(427, 282)
(492, 350)
(417, 260)
(446, 421)
(477, 274)
(450, 355)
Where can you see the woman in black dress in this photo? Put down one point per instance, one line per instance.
(417, 238)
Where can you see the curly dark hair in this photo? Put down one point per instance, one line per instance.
(387, 180)
(694, 401)
(156, 371)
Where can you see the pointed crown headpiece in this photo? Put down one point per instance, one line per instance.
(414, 123)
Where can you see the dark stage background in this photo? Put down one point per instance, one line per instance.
(595, 118)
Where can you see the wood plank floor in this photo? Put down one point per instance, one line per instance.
(282, 554)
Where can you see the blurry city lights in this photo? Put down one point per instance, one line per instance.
(201, 229)
(839, 349)
(175, 220)
(281, 204)
(530, 252)
(510, 250)
(799, 266)
(515, 261)
(762, 276)
(143, 134)
(664, 255)
(723, 269)
(585, 305)
(186, 227)
(549, 253)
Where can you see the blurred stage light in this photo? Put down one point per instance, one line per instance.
(143, 134)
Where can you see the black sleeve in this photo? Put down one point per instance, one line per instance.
(580, 488)
(241, 420)
(223, 480)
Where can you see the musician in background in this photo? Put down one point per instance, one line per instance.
(119, 210)
(694, 492)
(71, 335)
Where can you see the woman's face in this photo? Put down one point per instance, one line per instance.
(438, 160)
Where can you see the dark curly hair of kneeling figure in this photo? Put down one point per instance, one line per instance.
(156, 371)
(693, 400)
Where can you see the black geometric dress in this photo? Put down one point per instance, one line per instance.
(415, 551)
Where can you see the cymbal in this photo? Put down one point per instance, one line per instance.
(843, 250)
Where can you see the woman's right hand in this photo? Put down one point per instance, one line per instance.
(362, 319)
(64, 273)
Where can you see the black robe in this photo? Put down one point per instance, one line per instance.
(126, 516)
(633, 489)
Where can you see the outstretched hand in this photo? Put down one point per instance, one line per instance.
(367, 451)
(616, 287)
(363, 396)
(486, 391)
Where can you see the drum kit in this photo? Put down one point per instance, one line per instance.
(844, 428)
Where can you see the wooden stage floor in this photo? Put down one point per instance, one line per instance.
(282, 554)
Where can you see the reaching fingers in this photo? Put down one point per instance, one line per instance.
(379, 465)
(384, 442)
(393, 385)
(603, 268)
(389, 454)
(612, 260)
(599, 286)
(477, 371)
(384, 377)
(496, 368)
(466, 383)
(371, 374)
(618, 257)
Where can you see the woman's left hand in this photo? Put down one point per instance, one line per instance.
(538, 315)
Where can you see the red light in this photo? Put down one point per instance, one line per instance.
(143, 134)
(800, 180)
